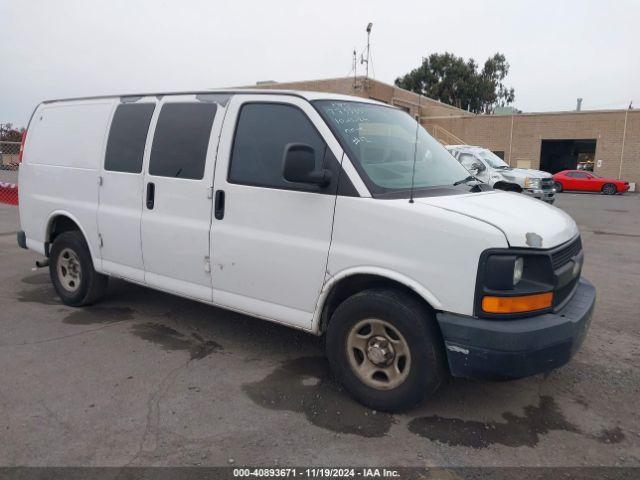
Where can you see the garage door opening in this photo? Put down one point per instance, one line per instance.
(558, 155)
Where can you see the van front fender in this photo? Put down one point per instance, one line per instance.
(382, 273)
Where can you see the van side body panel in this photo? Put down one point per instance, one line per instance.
(59, 174)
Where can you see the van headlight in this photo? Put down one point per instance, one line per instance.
(513, 282)
(518, 268)
(503, 272)
(531, 182)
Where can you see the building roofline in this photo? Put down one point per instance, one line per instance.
(531, 114)
(373, 80)
(432, 100)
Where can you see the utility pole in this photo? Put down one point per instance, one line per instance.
(354, 67)
(362, 59)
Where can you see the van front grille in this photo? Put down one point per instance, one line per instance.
(547, 183)
(565, 254)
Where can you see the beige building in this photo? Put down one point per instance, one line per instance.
(606, 140)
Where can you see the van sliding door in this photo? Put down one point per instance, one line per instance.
(121, 186)
(177, 203)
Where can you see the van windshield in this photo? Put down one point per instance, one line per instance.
(492, 159)
(381, 143)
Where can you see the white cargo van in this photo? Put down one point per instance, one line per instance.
(336, 215)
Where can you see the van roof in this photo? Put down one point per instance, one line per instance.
(307, 95)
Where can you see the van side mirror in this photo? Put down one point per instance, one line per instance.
(299, 166)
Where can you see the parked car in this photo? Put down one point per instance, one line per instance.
(580, 180)
(336, 215)
(489, 168)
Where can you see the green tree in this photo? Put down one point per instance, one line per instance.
(460, 82)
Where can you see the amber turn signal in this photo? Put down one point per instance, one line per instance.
(520, 304)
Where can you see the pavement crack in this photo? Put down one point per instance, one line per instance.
(152, 423)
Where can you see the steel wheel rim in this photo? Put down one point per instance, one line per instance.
(69, 270)
(378, 354)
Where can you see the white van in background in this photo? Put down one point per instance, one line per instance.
(487, 167)
(336, 215)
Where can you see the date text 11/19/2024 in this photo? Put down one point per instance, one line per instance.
(319, 472)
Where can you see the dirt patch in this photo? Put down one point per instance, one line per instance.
(305, 385)
(171, 340)
(611, 435)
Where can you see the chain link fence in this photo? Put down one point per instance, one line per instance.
(9, 163)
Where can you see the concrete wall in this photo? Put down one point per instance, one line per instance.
(520, 136)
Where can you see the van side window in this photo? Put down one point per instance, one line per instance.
(181, 139)
(127, 137)
(262, 132)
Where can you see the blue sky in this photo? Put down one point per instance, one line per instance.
(558, 50)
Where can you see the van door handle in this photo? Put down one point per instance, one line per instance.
(218, 209)
(151, 195)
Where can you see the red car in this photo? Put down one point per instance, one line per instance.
(588, 182)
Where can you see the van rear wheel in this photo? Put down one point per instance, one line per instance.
(384, 347)
(72, 273)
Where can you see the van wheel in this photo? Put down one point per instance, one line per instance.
(72, 272)
(384, 347)
(609, 189)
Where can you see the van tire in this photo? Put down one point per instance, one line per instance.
(70, 252)
(416, 325)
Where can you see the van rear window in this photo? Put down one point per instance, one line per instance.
(127, 137)
(181, 139)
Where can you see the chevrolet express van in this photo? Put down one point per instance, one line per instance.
(336, 215)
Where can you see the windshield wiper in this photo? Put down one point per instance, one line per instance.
(464, 180)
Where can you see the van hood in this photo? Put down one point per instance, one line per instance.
(525, 222)
(522, 173)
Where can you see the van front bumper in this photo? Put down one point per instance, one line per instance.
(507, 349)
(545, 195)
